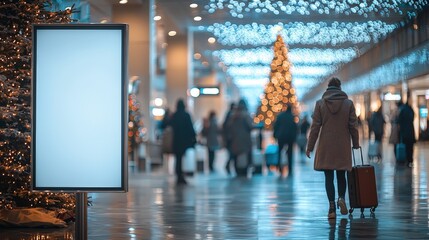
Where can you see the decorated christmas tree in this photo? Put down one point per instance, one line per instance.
(16, 18)
(135, 124)
(279, 92)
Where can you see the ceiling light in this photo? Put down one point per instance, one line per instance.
(211, 40)
(123, 1)
(157, 18)
(104, 21)
(194, 92)
(197, 18)
(172, 33)
(158, 102)
(193, 5)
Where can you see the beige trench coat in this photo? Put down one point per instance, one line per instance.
(335, 127)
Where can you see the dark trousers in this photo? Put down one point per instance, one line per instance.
(179, 157)
(289, 154)
(409, 149)
(329, 184)
(211, 156)
(230, 157)
(378, 137)
(248, 163)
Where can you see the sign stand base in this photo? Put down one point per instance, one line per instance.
(81, 225)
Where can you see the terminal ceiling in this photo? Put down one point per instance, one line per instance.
(322, 35)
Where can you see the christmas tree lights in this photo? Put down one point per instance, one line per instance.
(136, 129)
(279, 92)
(15, 105)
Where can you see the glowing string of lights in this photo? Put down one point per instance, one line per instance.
(321, 33)
(264, 55)
(390, 73)
(363, 8)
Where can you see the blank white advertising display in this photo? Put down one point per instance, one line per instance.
(79, 107)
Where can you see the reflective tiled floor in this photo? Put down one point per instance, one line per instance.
(216, 206)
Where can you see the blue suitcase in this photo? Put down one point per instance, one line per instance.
(271, 155)
(401, 155)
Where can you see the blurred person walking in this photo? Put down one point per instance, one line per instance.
(406, 131)
(285, 131)
(394, 127)
(240, 126)
(335, 119)
(226, 136)
(166, 133)
(301, 140)
(377, 124)
(184, 137)
(211, 132)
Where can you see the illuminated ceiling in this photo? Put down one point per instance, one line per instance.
(322, 35)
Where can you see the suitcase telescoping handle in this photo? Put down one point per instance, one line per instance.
(361, 156)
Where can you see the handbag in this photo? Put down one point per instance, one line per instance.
(401, 155)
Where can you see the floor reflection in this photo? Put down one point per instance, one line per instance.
(217, 206)
(37, 234)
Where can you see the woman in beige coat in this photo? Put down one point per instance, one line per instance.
(335, 118)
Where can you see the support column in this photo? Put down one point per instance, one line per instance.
(179, 70)
(141, 51)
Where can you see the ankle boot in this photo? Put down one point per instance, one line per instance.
(331, 213)
(341, 204)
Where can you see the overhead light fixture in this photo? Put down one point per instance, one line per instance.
(104, 21)
(197, 18)
(158, 102)
(172, 33)
(209, 90)
(158, 112)
(194, 92)
(211, 40)
(157, 18)
(204, 91)
(123, 1)
(392, 96)
(193, 5)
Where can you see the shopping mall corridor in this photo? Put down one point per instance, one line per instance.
(217, 206)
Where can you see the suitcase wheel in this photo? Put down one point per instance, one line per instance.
(361, 213)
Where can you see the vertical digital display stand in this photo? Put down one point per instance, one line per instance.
(79, 111)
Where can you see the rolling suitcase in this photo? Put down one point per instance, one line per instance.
(374, 150)
(271, 155)
(400, 153)
(362, 187)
